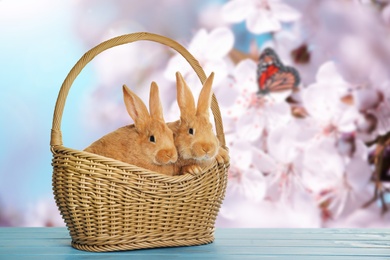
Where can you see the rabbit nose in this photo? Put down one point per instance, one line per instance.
(170, 154)
(207, 148)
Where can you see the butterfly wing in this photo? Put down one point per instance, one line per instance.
(268, 66)
(273, 76)
(286, 79)
(265, 76)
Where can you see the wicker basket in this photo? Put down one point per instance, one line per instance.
(109, 205)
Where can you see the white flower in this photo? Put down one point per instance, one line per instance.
(250, 112)
(322, 163)
(322, 101)
(240, 93)
(283, 164)
(382, 112)
(244, 178)
(374, 100)
(261, 16)
(334, 179)
(251, 202)
(210, 49)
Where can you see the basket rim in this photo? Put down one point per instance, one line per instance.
(179, 242)
(60, 149)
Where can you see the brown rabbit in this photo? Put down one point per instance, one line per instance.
(148, 143)
(195, 140)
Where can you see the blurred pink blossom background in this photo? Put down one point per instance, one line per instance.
(298, 159)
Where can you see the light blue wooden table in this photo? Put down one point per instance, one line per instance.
(296, 244)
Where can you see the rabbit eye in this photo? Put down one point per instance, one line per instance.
(191, 131)
(152, 139)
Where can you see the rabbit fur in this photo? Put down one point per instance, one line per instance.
(195, 141)
(148, 143)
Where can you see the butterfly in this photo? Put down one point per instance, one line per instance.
(273, 76)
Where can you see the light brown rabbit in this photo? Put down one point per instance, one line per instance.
(148, 143)
(195, 140)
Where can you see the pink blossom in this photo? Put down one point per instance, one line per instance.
(244, 178)
(261, 16)
(335, 179)
(323, 101)
(210, 49)
(285, 146)
(252, 113)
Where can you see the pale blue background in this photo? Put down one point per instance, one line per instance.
(40, 42)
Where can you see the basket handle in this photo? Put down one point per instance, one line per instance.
(56, 135)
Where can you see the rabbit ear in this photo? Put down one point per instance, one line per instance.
(155, 107)
(204, 101)
(135, 107)
(185, 99)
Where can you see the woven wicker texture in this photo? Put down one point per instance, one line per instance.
(109, 205)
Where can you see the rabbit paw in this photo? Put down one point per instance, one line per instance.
(222, 156)
(192, 169)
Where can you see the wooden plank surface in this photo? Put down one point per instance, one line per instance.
(297, 244)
